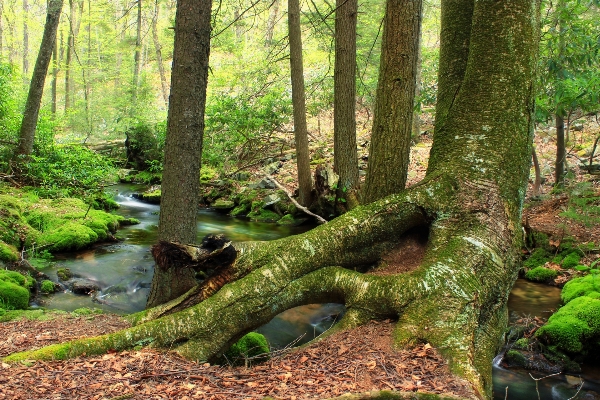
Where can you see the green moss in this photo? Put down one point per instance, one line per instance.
(287, 219)
(64, 274)
(8, 253)
(575, 328)
(14, 290)
(538, 258)
(240, 210)
(252, 346)
(129, 221)
(47, 286)
(516, 358)
(541, 274)
(70, 236)
(48, 353)
(585, 286)
(264, 216)
(571, 260)
(207, 174)
(521, 344)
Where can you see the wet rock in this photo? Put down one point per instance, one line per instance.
(271, 199)
(84, 287)
(223, 204)
(530, 360)
(64, 274)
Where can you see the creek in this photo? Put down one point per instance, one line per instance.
(123, 272)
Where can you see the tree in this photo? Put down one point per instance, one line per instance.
(25, 41)
(74, 24)
(469, 203)
(392, 125)
(299, 103)
(36, 88)
(159, 58)
(137, 58)
(345, 161)
(183, 146)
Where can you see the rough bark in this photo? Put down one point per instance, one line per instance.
(183, 147)
(74, 24)
(392, 124)
(561, 153)
(36, 88)
(299, 103)
(345, 157)
(273, 16)
(137, 57)
(470, 201)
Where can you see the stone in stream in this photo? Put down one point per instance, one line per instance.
(84, 286)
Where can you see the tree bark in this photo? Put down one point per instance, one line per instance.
(561, 153)
(74, 24)
(183, 146)
(25, 42)
(394, 104)
(273, 15)
(54, 76)
(36, 88)
(470, 202)
(159, 60)
(299, 104)
(137, 58)
(345, 160)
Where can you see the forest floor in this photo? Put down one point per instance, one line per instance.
(356, 361)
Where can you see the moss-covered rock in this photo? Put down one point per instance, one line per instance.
(8, 253)
(585, 286)
(571, 260)
(262, 215)
(541, 274)
(251, 346)
(241, 210)
(289, 220)
(538, 258)
(223, 204)
(47, 287)
(64, 274)
(14, 290)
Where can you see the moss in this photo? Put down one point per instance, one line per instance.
(64, 274)
(516, 358)
(538, 258)
(571, 260)
(521, 344)
(287, 219)
(48, 353)
(8, 253)
(129, 221)
(47, 286)
(575, 327)
(541, 274)
(70, 236)
(152, 197)
(264, 216)
(240, 210)
(586, 286)
(14, 290)
(251, 346)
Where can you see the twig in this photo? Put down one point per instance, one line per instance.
(306, 210)
(539, 379)
(578, 390)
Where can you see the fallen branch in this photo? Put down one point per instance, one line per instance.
(306, 210)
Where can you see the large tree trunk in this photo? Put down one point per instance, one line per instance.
(299, 103)
(470, 202)
(183, 146)
(392, 124)
(36, 88)
(345, 161)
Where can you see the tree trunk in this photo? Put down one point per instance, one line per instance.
(345, 161)
(54, 76)
(36, 88)
(159, 60)
(137, 58)
(299, 103)
(271, 22)
(74, 24)
(25, 42)
(183, 146)
(561, 153)
(470, 204)
(394, 104)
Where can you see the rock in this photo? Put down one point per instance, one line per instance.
(223, 204)
(263, 184)
(84, 287)
(272, 168)
(241, 176)
(577, 127)
(531, 360)
(271, 199)
(289, 220)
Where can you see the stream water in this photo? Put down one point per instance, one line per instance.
(123, 272)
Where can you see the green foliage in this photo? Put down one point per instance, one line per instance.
(8, 253)
(584, 204)
(14, 290)
(262, 215)
(541, 274)
(47, 286)
(538, 258)
(521, 344)
(571, 260)
(145, 147)
(238, 127)
(252, 346)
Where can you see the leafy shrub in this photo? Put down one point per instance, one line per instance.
(541, 274)
(145, 146)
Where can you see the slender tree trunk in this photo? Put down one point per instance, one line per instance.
(345, 161)
(25, 42)
(137, 58)
(36, 88)
(537, 184)
(559, 166)
(12, 30)
(54, 76)
(75, 13)
(238, 26)
(159, 60)
(185, 129)
(273, 16)
(394, 104)
(299, 104)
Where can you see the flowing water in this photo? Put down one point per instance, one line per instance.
(123, 272)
